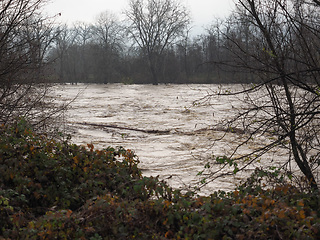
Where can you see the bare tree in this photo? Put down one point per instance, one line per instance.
(109, 37)
(279, 47)
(60, 53)
(109, 31)
(154, 26)
(25, 38)
(83, 36)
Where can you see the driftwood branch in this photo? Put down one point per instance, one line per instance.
(125, 128)
(232, 130)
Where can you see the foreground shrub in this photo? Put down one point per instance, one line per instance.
(38, 174)
(219, 216)
(58, 190)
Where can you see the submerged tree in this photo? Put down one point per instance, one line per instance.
(154, 26)
(279, 46)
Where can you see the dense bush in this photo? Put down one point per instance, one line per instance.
(56, 190)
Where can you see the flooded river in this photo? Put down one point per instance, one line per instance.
(171, 135)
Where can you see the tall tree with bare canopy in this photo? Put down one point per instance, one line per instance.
(154, 26)
(277, 42)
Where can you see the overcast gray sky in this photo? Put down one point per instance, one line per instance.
(203, 12)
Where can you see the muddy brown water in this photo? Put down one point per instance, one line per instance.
(173, 137)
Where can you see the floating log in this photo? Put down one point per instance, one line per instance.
(125, 128)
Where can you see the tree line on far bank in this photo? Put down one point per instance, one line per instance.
(154, 45)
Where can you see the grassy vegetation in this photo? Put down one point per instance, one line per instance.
(57, 190)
